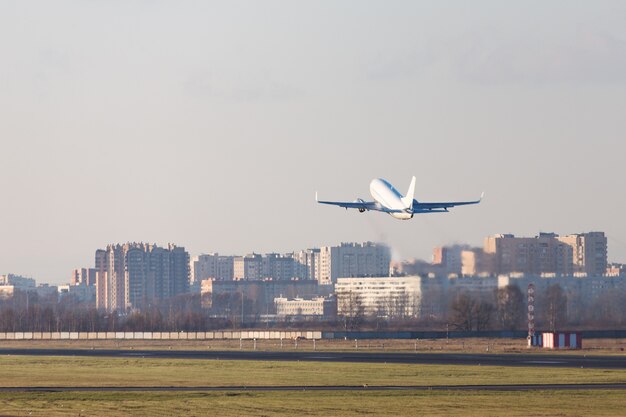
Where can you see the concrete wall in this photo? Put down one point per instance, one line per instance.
(224, 335)
(277, 335)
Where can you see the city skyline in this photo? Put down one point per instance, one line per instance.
(231, 266)
(212, 125)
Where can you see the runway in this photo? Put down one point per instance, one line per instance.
(532, 360)
(509, 388)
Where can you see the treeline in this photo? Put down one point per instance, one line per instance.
(26, 311)
(503, 309)
(554, 309)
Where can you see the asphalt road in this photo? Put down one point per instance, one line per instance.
(534, 360)
(514, 387)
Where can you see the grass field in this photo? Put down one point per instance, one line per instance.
(86, 371)
(117, 372)
(340, 403)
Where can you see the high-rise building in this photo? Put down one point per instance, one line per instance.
(307, 264)
(589, 252)
(475, 261)
(449, 257)
(212, 266)
(615, 270)
(278, 267)
(103, 290)
(529, 255)
(353, 260)
(249, 267)
(136, 277)
(273, 266)
(326, 276)
(135, 274)
(322, 265)
(19, 282)
(546, 253)
(179, 271)
(83, 276)
(110, 277)
(252, 267)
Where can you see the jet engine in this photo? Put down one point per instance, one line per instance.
(360, 200)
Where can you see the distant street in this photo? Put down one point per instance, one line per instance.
(506, 387)
(534, 360)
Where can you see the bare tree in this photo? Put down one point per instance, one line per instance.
(607, 309)
(557, 306)
(483, 312)
(351, 306)
(462, 316)
(510, 307)
(470, 313)
(554, 306)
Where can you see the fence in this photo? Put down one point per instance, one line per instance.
(424, 335)
(588, 334)
(277, 335)
(217, 335)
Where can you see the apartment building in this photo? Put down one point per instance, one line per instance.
(529, 255)
(353, 260)
(132, 275)
(212, 266)
(83, 276)
(391, 297)
(303, 307)
(589, 252)
(249, 267)
(261, 293)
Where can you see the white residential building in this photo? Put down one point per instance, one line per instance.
(318, 306)
(212, 266)
(353, 260)
(83, 293)
(19, 282)
(379, 296)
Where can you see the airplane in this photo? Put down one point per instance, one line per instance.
(388, 200)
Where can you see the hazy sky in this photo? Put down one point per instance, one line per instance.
(212, 124)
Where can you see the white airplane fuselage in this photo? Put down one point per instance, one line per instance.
(387, 196)
(388, 200)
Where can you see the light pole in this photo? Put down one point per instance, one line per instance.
(241, 325)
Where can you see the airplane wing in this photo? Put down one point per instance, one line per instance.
(441, 206)
(359, 204)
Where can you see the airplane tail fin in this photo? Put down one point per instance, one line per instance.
(410, 195)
